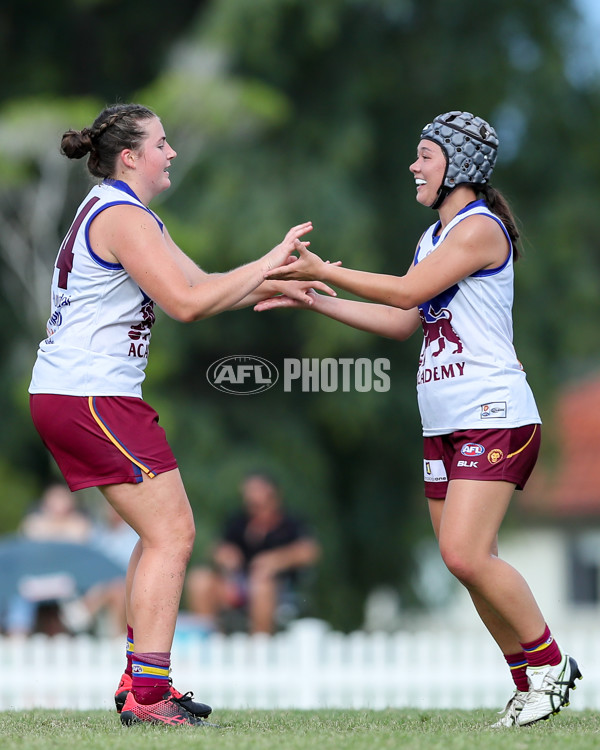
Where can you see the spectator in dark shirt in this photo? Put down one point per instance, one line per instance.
(257, 561)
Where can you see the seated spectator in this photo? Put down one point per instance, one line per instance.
(55, 606)
(257, 562)
(57, 517)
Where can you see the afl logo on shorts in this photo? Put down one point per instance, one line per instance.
(472, 449)
(242, 375)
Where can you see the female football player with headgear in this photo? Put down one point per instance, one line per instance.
(481, 426)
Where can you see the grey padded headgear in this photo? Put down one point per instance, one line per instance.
(470, 145)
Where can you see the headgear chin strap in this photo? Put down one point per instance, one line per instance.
(470, 146)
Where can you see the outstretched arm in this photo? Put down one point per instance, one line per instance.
(383, 320)
(268, 288)
(476, 243)
(295, 290)
(130, 236)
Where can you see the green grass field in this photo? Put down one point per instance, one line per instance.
(295, 730)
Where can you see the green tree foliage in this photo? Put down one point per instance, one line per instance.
(283, 110)
(74, 47)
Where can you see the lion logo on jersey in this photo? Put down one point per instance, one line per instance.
(436, 320)
(142, 330)
(438, 329)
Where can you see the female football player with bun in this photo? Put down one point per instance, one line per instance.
(481, 425)
(116, 261)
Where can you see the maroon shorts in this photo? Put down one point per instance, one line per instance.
(485, 455)
(99, 440)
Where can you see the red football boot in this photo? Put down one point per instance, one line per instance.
(185, 700)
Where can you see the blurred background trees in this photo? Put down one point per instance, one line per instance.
(283, 110)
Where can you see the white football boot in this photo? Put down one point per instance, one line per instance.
(511, 712)
(548, 690)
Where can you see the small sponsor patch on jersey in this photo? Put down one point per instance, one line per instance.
(434, 470)
(495, 409)
(472, 449)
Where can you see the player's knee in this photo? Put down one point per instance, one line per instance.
(187, 544)
(462, 565)
(179, 538)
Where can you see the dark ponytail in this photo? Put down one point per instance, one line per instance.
(76, 143)
(498, 205)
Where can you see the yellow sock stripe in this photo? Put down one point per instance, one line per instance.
(522, 448)
(539, 648)
(518, 665)
(548, 642)
(114, 440)
(141, 669)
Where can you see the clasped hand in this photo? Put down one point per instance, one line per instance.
(307, 266)
(295, 272)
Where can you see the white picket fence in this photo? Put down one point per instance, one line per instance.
(307, 667)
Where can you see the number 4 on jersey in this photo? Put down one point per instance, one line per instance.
(64, 262)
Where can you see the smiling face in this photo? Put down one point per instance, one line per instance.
(428, 170)
(155, 157)
(148, 166)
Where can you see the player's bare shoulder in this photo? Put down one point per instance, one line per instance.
(118, 230)
(481, 235)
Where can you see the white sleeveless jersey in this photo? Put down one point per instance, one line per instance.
(469, 376)
(98, 333)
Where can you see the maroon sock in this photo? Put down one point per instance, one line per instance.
(129, 653)
(542, 651)
(150, 679)
(517, 664)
